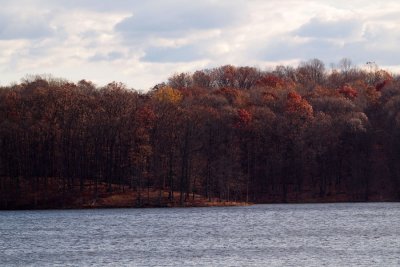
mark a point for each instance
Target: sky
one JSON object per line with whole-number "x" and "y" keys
{"x": 142, "y": 43}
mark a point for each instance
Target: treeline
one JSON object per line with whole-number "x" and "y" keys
{"x": 236, "y": 133}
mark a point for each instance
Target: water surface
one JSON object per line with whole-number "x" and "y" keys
{"x": 356, "y": 234}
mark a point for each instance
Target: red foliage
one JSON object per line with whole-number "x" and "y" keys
{"x": 380, "y": 85}
{"x": 387, "y": 79}
{"x": 268, "y": 96}
{"x": 229, "y": 92}
{"x": 298, "y": 106}
{"x": 348, "y": 91}
{"x": 270, "y": 80}
{"x": 243, "y": 119}
{"x": 294, "y": 96}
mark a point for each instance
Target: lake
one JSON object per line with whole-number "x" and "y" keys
{"x": 346, "y": 234}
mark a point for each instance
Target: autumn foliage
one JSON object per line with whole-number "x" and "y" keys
{"x": 272, "y": 81}
{"x": 347, "y": 91}
{"x": 297, "y": 105}
{"x": 243, "y": 119}
{"x": 229, "y": 133}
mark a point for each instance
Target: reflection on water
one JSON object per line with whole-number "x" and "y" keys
{"x": 365, "y": 234}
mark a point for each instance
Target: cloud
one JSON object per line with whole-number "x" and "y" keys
{"x": 287, "y": 49}
{"x": 15, "y": 26}
{"x": 141, "y": 43}
{"x": 106, "y": 57}
{"x": 185, "y": 53}
{"x": 176, "y": 18}
{"x": 382, "y": 34}
{"x": 319, "y": 28}
{"x": 329, "y": 51}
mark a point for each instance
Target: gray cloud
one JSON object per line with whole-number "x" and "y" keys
{"x": 358, "y": 51}
{"x": 92, "y": 5}
{"x": 13, "y": 26}
{"x": 318, "y": 28}
{"x": 373, "y": 43}
{"x": 286, "y": 50}
{"x": 381, "y": 34}
{"x": 175, "y": 18}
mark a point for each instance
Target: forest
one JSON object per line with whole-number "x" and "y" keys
{"x": 285, "y": 135}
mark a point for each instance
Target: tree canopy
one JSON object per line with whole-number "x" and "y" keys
{"x": 232, "y": 133}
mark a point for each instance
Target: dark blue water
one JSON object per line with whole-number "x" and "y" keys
{"x": 261, "y": 235}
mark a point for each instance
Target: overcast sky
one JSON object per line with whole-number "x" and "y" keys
{"x": 141, "y": 43}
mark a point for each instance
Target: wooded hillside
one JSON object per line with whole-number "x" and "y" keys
{"x": 300, "y": 134}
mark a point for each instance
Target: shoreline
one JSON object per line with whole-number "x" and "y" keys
{"x": 84, "y": 207}
{"x": 122, "y": 197}
{"x": 211, "y": 204}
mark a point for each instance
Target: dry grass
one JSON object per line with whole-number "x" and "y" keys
{"x": 54, "y": 195}
{"x": 153, "y": 198}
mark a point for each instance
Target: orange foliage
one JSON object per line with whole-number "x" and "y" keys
{"x": 320, "y": 91}
{"x": 168, "y": 94}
